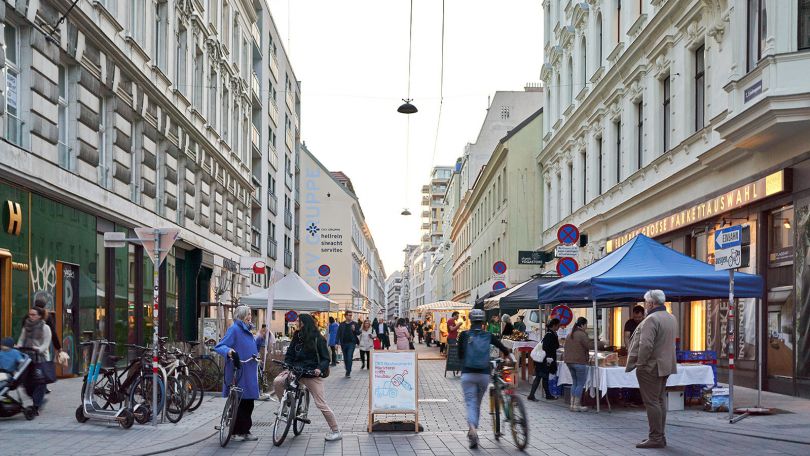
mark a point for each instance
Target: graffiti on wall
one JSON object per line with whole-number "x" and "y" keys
{"x": 43, "y": 280}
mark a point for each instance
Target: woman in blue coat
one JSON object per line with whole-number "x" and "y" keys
{"x": 239, "y": 340}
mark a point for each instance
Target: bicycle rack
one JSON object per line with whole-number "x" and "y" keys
{"x": 90, "y": 408}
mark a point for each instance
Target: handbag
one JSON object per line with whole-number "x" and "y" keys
{"x": 325, "y": 372}
{"x": 43, "y": 373}
{"x": 538, "y": 355}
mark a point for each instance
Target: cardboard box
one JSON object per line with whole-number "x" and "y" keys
{"x": 674, "y": 400}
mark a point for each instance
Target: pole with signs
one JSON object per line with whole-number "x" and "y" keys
{"x": 155, "y": 300}
{"x": 732, "y": 346}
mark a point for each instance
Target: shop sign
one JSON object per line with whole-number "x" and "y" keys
{"x": 230, "y": 265}
{"x": 252, "y": 265}
{"x": 12, "y": 218}
{"x": 752, "y": 91}
{"x": 728, "y": 248}
{"x": 772, "y": 184}
{"x": 530, "y": 257}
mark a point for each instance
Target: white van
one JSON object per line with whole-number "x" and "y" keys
{"x": 531, "y": 318}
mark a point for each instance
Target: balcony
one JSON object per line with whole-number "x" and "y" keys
{"x": 426, "y": 225}
{"x": 288, "y": 219}
{"x": 290, "y": 101}
{"x": 425, "y": 189}
{"x": 256, "y": 197}
{"x": 255, "y": 140}
{"x": 272, "y": 203}
{"x": 287, "y": 259}
{"x": 289, "y": 140}
{"x": 288, "y": 180}
{"x": 257, "y": 38}
{"x": 274, "y": 66}
{"x": 272, "y": 156}
{"x": 255, "y": 90}
{"x": 272, "y": 248}
{"x": 425, "y": 214}
{"x": 436, "y": 203}
{"x": 255, "y": 240}
{"x": 297, "y": 164}
{"x": 272, "y": 111}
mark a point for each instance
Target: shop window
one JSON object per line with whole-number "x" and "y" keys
{"x": 13, "y": 131}
{"x": 780, "y": 242}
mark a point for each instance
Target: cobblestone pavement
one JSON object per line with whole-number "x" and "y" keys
{"x": 553, "y": 429}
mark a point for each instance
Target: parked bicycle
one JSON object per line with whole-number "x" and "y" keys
{"x": 502, "y": 398}
{"x": 206, "y": 368}
{"x": 228, "y": 419}
{"x": 294, "y": 406}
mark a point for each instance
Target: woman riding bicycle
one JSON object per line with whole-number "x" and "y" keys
{"x": 238, "y": 344}
{"x": 308, "y": 351}
{"x": 473, "y": 350}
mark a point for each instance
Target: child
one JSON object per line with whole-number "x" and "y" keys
{"x": 10, "y": 357}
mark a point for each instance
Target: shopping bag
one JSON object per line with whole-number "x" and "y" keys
{"x": 377, "y": 344}
{"x": 43, "y": 373}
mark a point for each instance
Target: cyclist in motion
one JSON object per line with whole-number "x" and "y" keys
{"x": 308, "y": 350}
{"x": 473, "y": 350}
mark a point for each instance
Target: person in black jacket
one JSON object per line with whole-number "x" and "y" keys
{"x": 348, "y": 338}
{"x": 542, "y": 369}
{"x": 381, "y": 331}
{"x": 309, "y": 351}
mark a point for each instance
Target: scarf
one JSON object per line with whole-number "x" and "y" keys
{"x": 34, "y": 333}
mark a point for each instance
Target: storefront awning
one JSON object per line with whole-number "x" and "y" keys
{"x": 642, "y": 265}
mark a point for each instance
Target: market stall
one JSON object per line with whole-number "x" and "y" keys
{"x": 638, "y": 266}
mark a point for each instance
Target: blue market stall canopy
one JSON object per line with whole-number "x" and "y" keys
{"x": 520, "y": 296}
{"x": 641, "y": 265}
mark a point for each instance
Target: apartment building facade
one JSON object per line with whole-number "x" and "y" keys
{"x": 393, "y": 295}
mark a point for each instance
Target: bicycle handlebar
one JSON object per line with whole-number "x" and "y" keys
{"x": 101, "y": 342}
{"x": 294, "y": 368}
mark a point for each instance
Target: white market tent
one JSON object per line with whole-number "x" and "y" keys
{"x": 443, "y": 305}
{"x": 291, "y": 293}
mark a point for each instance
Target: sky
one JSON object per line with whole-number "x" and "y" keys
{"x": 351, "y": 57}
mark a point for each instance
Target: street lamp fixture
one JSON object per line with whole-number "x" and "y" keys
{"x": 405, "y": 211}
{"x": 407, "y": 107}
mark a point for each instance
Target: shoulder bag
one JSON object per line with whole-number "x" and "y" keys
{"x": 538, "y": 355}
{"x": 325, "y": 372}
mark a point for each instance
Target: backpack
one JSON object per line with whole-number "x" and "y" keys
{"x": 476, "y": 352}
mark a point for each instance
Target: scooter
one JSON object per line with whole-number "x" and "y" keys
{"x": 90, "y": 408}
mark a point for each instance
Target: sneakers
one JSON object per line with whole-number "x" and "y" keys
{"x": 333, "y": 435}
{"x": 472, "y": 436}
{"x": 249, "y": 437}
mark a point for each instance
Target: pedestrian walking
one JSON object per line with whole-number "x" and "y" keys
{"x": 420, "y": 330}
{"x": 366, "y": 344}
{"x": 36, "y": 338}
{"x": 576, "y": 359}
{"x": 403, "y": 335}
{"x": 238, "y": 344}
{"x": 652, "y": 355}
{"x": 428, "y": 331}
{"x": 347, "y": 338}
{"x": 544, "y": 368}
{"x": 382, "y": 331}
{"x": 473, "y": 350}
{"x": 308, "y": 351}
{"x": 443, "y": 335}
{"x": 332, "y": 331}
{"x": 453, "y": 325}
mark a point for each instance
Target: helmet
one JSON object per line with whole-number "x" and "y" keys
{"x": 477, "y": 315}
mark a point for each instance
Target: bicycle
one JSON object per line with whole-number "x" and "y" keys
{"x": 206, "y": 367}
{"x": 296, "y": 400}
{"x": 228, "y": 419}
{"x": 502, "y": 397}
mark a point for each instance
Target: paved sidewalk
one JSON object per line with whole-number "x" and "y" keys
{"x": 553, "y": 429}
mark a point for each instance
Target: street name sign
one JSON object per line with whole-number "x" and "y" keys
{"x": 728, "y": 248}
{"x": 562, "y": 251}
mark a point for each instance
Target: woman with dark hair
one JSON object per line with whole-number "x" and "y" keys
{"x": 576, "y": 358}
{"x": 403, "y": 334}
{"x": 308, "y": 351}
{"x": 545, "y": 367}
{"x": 36, "y": 336}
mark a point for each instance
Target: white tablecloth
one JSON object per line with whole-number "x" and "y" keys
{"x": 616, "y": 377}
{"x": 515, "y": 345}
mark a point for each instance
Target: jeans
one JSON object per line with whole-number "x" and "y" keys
{"x": 333, "y": 348}
{"x": 243, "y": 417}
{"x": 348, "y": 354}
{"x": 541, "y": 373}
{"x": 365, "y": 358}
{"x": 579, "y": 374}
{"x": 474, "y": 387}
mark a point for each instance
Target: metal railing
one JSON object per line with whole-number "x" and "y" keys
{"x": 272, "y": 248}
{"x": 287, "y": 258}
{"x": 272, "y": 203}
{"x": 288, "y": 219}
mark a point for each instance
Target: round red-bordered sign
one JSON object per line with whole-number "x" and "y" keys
{"x": 562, "y": 313}
{"x": 291, "y": 315}
{"x": 499, "y": 267}
{"x": 499, "y": 285}
{"x": 566, "y": 266}
{"x": 324, "y": 288}
{"x": 568, "y": 234}
{"x": 324, "y": 270}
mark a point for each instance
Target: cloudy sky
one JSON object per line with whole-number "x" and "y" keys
{"x": 351, "y": 57}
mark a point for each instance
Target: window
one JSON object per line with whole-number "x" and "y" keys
{"x": 583, "y": 159}
{"x": 618, "y": 21}
{"x": 198, "y": 82}
{"x": 225, "y": 111}
{"x": 504, "y": 111}
{"x": 700, "y": 89}
{"x": 804, "y": 24}
{"x": 213, "y": 19}
{"x": 65, "y": 155}
{"x": 235, "y": 129}
{"x": 182, "y": 51}
{"x": 137, "y": 14}
{"x": 212, "y": 99}
{"x": 617, "y": 128}
{"x": 161, "y": 34}
{"x": 271, "y": 136}
{"x": 780, "y": 242}
{"x": 13, "y": 131}
{"x": 640, "y": 134}
{"x": 236, "y": 40}
{"x": 104, "y": 146}
{"x": 600, "y": 45}
{"x": 570, "y": 188}
{"x": 583, "y": 63}
{"x": 599, "y": 163}
{"x": 226, "y": 22}
{"x": 665, "y": 114}
{"x": 757, "y": 31}
{"x": 570, "y": 89}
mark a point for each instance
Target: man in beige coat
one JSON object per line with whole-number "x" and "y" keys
{"x": 652, "y": 355}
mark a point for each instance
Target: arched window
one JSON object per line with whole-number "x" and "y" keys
{"x": 570, "y": 89}
{"x": 600, "y": 44}
{"x": 558, "y": 107}
{"x": 583, "y": 62}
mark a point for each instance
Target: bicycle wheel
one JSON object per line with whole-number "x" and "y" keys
{"x": 284, "y": 418}
{"x": 301, "y": 414}
{"x": 175, "y": 399}
{"x": 228, "y": 420}
{"x": 518, "y": 422}
{"x": 140, "y": 398}
{"x": 209, "y": 372}
{"x": 495, "y": 411}
{"x": 197, "y": 390}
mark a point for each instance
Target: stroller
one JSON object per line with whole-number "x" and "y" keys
{"x": 10, "y": 381}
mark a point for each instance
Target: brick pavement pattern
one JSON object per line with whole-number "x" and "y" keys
{"x": 553, "y": 429}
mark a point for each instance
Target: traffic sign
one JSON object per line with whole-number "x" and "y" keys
{"x": 568, "y": 234}
{"x": 324, "y": 288}
{"x": 566, "y": 266}
{"x": 499, "y": 267}
{"x": 562, "y": 313}
{"x": 167, "y": 238}
{"x": 291, "y": 315}
{"x": 498, "y": 285}
{"x": 324, "y": 270}
{"x": 562, "y": 251}
{"x": 728, "y": 249}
